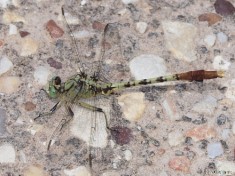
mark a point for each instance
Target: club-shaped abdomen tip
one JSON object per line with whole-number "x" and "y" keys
{"x": 220, "y": 73}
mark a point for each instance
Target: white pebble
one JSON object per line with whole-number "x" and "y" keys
{"x": 128, "y": 155}
{"x": 222, "y": 37}
{"x": 220, "y": 63}
{"x": 141, "y": 27}
{"x": 214, "y": 150}
{"x": 41, "y": 75}
{"x": 5, "y": 65}
{"x": 147, "y": 66}
{"x": 12, "y": 29}
{"x": 83, "y": 2}
{"x": 7, "y": 153}
{"x": 12, "y": 85}
{"x": 132, "y": 105}
{"x": 29, "y": 46}
{"x": 175, "y": 138}
{"x": 81, "y": 171}
{"x": 129, "y": 1}
{"x": 227, "y": 166}
{"x": 210, "y": 40}
{"x": 4, "y": 3}
{"x": 180, "y": 39}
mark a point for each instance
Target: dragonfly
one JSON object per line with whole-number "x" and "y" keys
{"x": 83, "y": 86}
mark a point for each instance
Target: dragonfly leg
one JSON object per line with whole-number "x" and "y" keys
{"x": 94, "y": 108}
{"x": 52, "y": 110}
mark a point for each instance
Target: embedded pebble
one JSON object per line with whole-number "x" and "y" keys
{"x": 220, "y": 63}
{"x": 224, "y": 7}
{"x": 10, "y": 17}
{"x": 83, "y": 2}
{"x": 98, "y": 25}
{"x": 23, "y": 33}
{"x": 132, "y": 105}
{"x": 7, "y": 153}
{"x": 4, "y": 3}
{"x": 210, "y": 40}
{"x": 128, "y": 155}
{"x": 201, "y": 132}
{"x": 222, "y": 37}
{"x": 12, "y": 29}
{"x": 54, "y": 30}
{"x": 29, "y": 46}
{"x": 5, "y": 65}
{"x": 175, "y": 138}
{"x": 84, "y": 120}
{"x": 147, "y": 66}
{"x": 206, "y": 106}
{"x": 3, "y": 118}
{"x": 29, "y": 106}
{"x": 214, "y": 150}
{"x": 211, "y": 18}
{"x": 121, "y": 135}
{"x": 41, "y": 75}
{"x": 53, "y": 63}
{"x": 227, "y": 166}
{"x": 180, "y": 163}
{"x": 12, "y": 85}
{"x": 129, "y": 1}
{"x": 34, "y": 170}
{"x": 81, "y": 171}
{"x": 171, "y": 109}
{"x": 180, "y": 39}
{"x": 141, "y": 27}
{"x": 221, "y": 119}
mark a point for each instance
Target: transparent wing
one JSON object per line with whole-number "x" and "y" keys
{"x": 113, "y": 67}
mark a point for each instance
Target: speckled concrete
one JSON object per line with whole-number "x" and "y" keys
{"x": 180, "y": 122}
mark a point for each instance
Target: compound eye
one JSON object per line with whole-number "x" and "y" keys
{"x": 57, "y": 80}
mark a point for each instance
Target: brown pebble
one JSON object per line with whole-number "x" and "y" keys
{"x": 224, "y": 8}
{"x": 54, "y": 30}
{"x": 180, "y": 163}
{"x": 24, "y": 33}
{"x": 98, "y": 26}
{"x": 121, "y": 135}
{"x": 201, "y": 132}
{"x": 29, "y": 106}
{"x": 211, "y": 18}
{"x": 53, "y": 63}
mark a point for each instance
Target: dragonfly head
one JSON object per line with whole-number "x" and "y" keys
{"x": 54, "y": 87}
